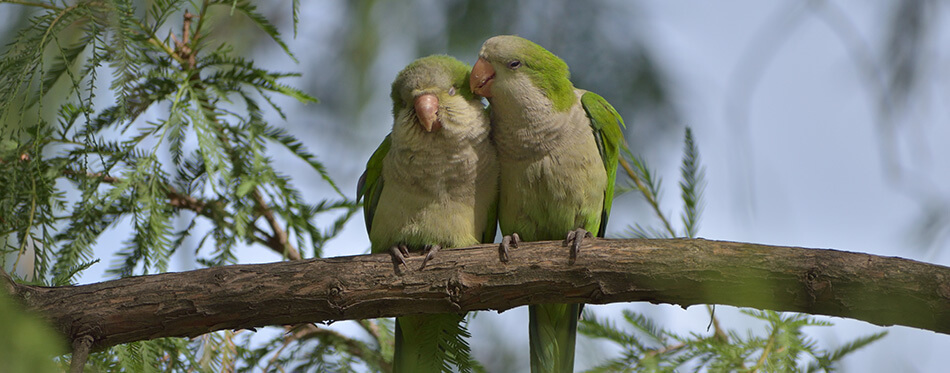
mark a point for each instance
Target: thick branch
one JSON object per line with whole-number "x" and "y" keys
{"x": 880, "y": 290}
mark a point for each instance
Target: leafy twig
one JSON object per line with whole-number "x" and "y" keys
{"x": 644, "y": 190}
{"x": 279, "y": 242}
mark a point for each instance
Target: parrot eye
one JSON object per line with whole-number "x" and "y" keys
{"x": 452, "y": 91}
{"x": 514, "y": 64}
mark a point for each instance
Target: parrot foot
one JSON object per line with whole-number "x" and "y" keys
{"x": 507, "y": 242}
{"x": 574, "y": 239}
{"x": 399, "y": 254}
{"x": 430, "y": 253}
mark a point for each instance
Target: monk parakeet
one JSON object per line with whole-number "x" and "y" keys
{"x": 557, "y": 149}
{"x": 431, "y": 184}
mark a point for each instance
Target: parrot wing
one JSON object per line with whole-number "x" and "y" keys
{"x": 371, "y": 183}
{"x": 606, "y": 124}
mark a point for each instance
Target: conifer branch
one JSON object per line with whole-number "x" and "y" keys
{"x": 31, "y": 3}
{"x": 643, "y": 189}
{"x": 329, "y": 336}
{"x": 278, "y": 242}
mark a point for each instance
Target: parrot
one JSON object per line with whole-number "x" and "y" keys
{"x": 558, "y": 149}
{"x": 431, "y": 184}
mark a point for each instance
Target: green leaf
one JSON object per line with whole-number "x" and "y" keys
{"x": 250, "y": 10}
{"x": 35, "y": 344}
{"x": 692, "y": 185}
{"x": 297, "y": 147}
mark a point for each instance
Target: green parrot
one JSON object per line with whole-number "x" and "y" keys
{"x": 431, "y": 184}
{"x": 558, "y": 149}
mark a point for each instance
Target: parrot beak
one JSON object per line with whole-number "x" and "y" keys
{"x": 482, "y": 77}
{"x": 427, "y": 109}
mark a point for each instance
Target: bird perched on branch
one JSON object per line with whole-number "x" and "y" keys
{"x": 431, "y": 184}
{"x": 558, "y": 149}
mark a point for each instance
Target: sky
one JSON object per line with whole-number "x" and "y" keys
{"x": 785, "y": 119}
{"x": 813, "y": 174}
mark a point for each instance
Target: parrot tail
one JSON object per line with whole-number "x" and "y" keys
{"x": 432, "y": 343}
{"x": 552, "y": 329}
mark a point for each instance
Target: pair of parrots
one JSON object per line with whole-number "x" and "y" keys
{"x": 541, "y": 161}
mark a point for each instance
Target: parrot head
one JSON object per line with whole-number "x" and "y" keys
{"x": 507, "y": 65}
{"x": 426, "y": 90}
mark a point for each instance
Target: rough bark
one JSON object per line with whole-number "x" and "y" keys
{"x": 879, "y": 290}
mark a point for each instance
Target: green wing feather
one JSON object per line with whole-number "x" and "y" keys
{"x": 371, "y": 183}
{"x": 606, "y": 123}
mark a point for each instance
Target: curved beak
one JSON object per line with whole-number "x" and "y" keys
{"x": 427, "y": 109}
{"x": 482, "y": 77}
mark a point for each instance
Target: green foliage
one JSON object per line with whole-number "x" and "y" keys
{"x": 185, "y": 139}
{"x": 28, "y": 344}
{"x": 119, "y": 113}
{"x": 783, "y": 347}
{"x": 646, "y": 347}
{"x": 157, "y": 355}
{"x": 312, "y": 348}
{"x": 692, "y": 185}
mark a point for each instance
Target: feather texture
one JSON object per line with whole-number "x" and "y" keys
{"x": 435, "y": 187}
{"x": 558, "y": 156}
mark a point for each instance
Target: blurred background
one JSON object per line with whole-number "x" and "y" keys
{"x": 821, "y": 124}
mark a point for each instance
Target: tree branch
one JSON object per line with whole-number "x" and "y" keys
{"x": 81, "y": 347}
{"x": 879, "y": 290}
{"x": 352, "y": 346}
{"x": 279, "y": 242}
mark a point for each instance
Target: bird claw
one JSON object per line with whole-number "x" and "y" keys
{"x": 430, "y": 253}
{"x": 399, "y": 254}
{"x": 574, "y": 239}
{"x": 507, "y": 242}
